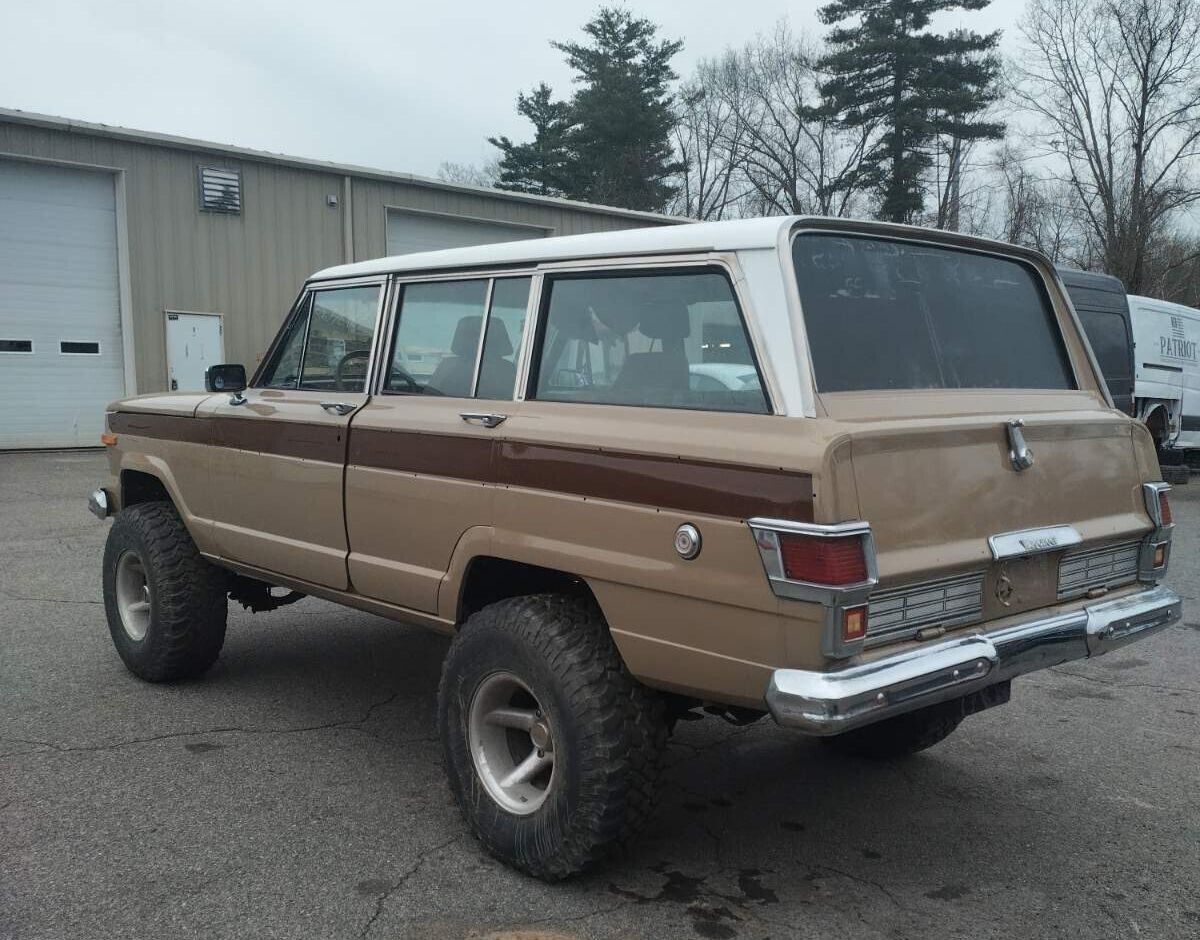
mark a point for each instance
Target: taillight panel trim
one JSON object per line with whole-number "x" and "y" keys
{"x": 1160, "y": 537}
{"x": 835, "y": 599}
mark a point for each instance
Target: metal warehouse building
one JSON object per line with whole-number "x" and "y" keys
{"x": 130, "y": 261}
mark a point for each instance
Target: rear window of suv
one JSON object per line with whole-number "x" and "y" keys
{"x": 889, "y": 314}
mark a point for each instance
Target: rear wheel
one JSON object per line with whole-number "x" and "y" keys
{"x": 166, "y": 606}
{"x": 552, "y": 749}
{"x": 900, "y": 736}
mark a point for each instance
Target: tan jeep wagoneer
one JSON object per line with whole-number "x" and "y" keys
{"x": 857, "y": 476}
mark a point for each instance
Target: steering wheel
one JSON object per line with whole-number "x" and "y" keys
{"x": 399, "y": 375}
{"x": 339, "y": 378}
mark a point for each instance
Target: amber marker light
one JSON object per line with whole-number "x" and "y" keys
{"x": 108, "y": 439}
{"x": 1160, "y": 555}
{"x": 854, "y": 623}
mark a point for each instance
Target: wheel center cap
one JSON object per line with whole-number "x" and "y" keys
{"x": 540, "y": 733}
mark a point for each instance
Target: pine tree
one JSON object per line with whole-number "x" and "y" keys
{"x": 541, "y": 166}
{"x": 610, "y": 143}
{"x": 887, "y": 68}
{"x": 623, "y": 114}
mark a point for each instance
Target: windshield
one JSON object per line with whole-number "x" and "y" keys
{"x": 889, "y": 314}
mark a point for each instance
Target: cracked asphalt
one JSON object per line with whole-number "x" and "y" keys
{"x": 296, "y": 790}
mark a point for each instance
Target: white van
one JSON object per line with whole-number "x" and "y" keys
{"x": 1167, "y": 374}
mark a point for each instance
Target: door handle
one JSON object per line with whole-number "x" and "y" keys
{"x": 338, "y": 407}
{"x": 488, "y": 420}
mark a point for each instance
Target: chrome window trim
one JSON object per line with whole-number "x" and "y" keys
{"x": 528, "y": 334}
{"x": 303, "y": 299}
{"x": 666, "y": 263}
{"x": 395, "y": 303}
{"x": 483, "y": 328}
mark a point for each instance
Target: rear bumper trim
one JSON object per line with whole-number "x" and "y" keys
{"x": 824, "y": 703}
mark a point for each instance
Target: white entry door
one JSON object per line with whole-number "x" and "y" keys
{"x": 194, "y": 343}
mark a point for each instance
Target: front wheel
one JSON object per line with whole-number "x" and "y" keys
{"x": 552, "y": 749}
{"x": 166, "y": 606}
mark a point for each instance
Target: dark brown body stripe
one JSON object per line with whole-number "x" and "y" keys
{"x": 443, "y": 455}
{"x": 677, "y": 483}
{"x": 161, "y": 427}
{"x": 667, "y": 482}
{"x": 324, "y": 442}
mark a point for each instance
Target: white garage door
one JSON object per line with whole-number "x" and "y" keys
{"x": 60, "y": 325}
{"x": 416, "y": 231}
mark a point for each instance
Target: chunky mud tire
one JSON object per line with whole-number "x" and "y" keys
{"x": 178, "y": 627}
{"x": 608, "y": 732}
{"x": 900, "y": 736}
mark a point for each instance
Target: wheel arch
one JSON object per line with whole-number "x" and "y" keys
{"x": 487, "y": 579}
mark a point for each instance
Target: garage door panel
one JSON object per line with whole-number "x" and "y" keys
{"x": 58, "y": 283}
{"x": 417, "y": 231}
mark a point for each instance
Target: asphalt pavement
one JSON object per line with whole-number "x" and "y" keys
{"x": 296, "y": 790}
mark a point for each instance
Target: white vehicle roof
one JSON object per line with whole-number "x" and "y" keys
{"x": 1163, "y": 306}
{"x": 732, "y": 235}
{"x": 699, "y": 236}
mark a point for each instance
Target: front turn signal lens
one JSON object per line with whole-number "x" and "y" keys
{"x": 108, "y": 439}
{"x": 854, "y": 623}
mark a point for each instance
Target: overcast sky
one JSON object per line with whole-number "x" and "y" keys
{"x": 391, "y": 84}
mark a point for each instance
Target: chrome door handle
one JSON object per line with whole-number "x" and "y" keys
{"x": 487, "y": 419}
{"x": 338, "y": 407}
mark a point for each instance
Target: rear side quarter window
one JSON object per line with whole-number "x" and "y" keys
{"x": 667, "y": 339}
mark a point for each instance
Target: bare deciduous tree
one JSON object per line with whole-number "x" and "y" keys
{"x": 1114, "y": 88}
{"x": 755, "y": 141}
{"x": 469, "y": 174}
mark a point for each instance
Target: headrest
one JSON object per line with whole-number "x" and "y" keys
{"x": 498, "y": 345}
{"x": 666, "y": 321}
{"x": 466, "y": 337}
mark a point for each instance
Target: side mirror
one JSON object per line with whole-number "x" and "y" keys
{"x": 225, "y": 378}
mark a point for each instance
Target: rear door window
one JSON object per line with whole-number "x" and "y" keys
{"x": 667, "y": 339}
{"x": 888, "y": 314}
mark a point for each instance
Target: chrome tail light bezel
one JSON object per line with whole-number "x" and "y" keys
{"x": 835, "y": 599}
{"x": 1160, "y": 537}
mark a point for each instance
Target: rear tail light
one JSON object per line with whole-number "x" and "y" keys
{"x": 828, "y": 564}
{"x": 1164, "y": 508}
{"x": 820, "y": 560}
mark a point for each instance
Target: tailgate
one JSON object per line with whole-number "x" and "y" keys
{"x": 936, "y": 493}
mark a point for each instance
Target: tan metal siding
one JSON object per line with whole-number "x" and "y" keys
{"x": 249, "y": 267}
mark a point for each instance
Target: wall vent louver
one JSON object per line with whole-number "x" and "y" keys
{"x": 220, "y": 190}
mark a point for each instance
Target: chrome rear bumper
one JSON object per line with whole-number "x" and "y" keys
{"x": 824, "y": 703}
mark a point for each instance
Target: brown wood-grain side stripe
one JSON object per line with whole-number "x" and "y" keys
{"x": 677, "y": 483}
{"x": 325, "y": 442}
{"x": 442, "y": 455}
{"x": 664, "y": 482}
{"x": 161, "y": 427}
